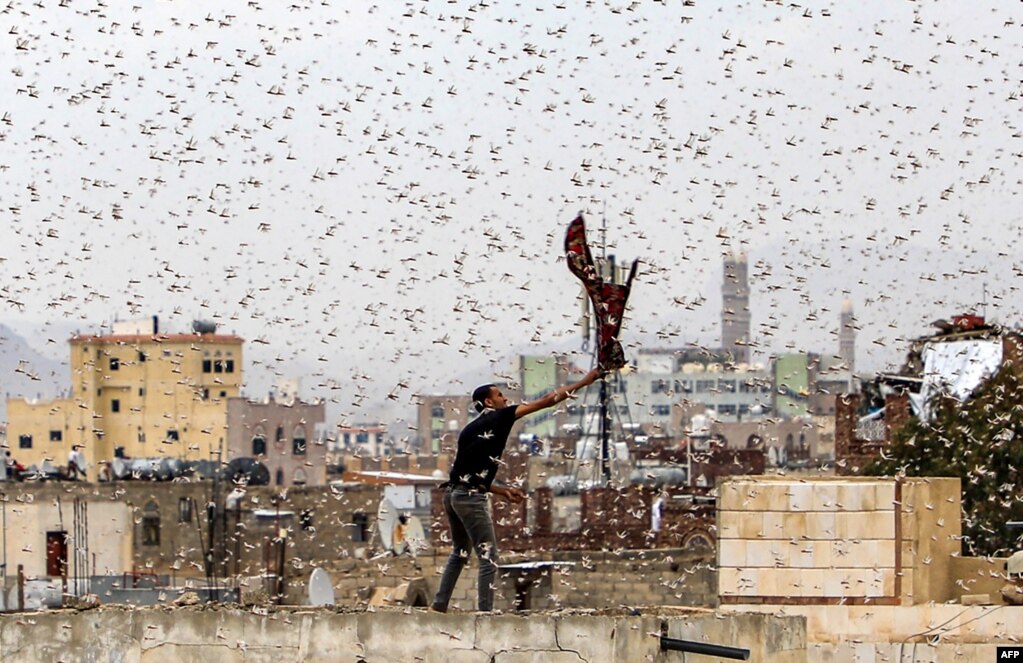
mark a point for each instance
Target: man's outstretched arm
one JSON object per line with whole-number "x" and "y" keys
{"x": 558, "y": 395}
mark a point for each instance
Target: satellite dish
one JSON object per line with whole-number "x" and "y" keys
{"x": 249, "y": 471}
{"x": 415, "y": 536}
{"x": 321, "y": 590}
{"x": 387, "y": 518}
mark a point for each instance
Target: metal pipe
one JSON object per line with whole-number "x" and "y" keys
{"x": 691, "y": 647}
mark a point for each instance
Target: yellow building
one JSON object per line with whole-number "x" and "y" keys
{"x": 151, "y": 394}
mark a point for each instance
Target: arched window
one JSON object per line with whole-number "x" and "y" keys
{"x": 298, "y": 441}
{"x": 790, "y": 442}
{"x": 151, "y": 524}
{"x": 279, "y": 477}
{"x": 279, "y": 436}
{"x": 298, "y": 478}
{"x": 754, "y": 442}
{"x": 258, "y": 445}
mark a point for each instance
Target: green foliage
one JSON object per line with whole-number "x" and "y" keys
{"x": 980, "y": 441}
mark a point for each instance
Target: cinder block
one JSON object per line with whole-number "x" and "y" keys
{"x": 820, "y": 525}
{"x": 825, "y": 496}
{"x": 822, "y": 558}
{"x": 800, "y": 497}
{"x": 801, "y": 554}
{"x": 851, "y": 496}
{"x": 728, "y": 524}
{"x": 794, "y": 524}
{"x": 732, "y": 552}
{"x": 812, "y": 581}
{"x": 766, "y": 554}
{"x": 885, "y": 553}
{"x": 732, "y": 496}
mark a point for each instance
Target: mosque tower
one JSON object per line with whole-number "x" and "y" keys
{"x": 847, "y": 336}
{"x": 735, "y": 316}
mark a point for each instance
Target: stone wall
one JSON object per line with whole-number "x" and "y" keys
{"x": 227, "y": 635}
{"x": 571, "y": 579}
{"x": 327, "y": 532}
{"x": 931, "y": 633}
{"x": 850, "y": 539}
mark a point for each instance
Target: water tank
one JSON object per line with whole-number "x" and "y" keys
{"x": 204, "y": 327}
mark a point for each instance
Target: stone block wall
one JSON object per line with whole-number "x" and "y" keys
{"x": 822, "y": 539}
{"x": 849, "y": 540}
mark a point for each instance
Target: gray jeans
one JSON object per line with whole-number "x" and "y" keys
{"x": 471, "y": 528}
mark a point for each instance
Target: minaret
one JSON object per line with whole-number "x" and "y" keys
{"x": 847, "y": 336}
{"x": 735, "y": 317}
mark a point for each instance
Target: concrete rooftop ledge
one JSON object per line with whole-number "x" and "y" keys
{"x": 234, "y": 634}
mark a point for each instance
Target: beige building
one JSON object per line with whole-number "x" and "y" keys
{"x": 440, "y": 418}
{"x": 73, "y": 536}
{"x": 282, "y": 436}
{"x": 146, "y": 393}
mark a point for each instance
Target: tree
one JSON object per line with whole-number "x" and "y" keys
{"x": 979, "y": 440}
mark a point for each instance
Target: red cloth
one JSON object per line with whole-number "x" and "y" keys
{"x": 608, "y": 299}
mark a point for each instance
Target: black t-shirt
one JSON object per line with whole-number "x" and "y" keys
{"x": 480, "y": 445}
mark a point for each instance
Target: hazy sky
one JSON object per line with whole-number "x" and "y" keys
{"x": 375, "y": 196}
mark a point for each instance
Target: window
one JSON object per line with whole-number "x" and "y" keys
{"x": 218, "y": 366}
{"x": 184, "y": 510}
{"x": 115, "y": 364}
{"x": 223, "y": 394}
{"x": 727, "y": 385}
{"x": 258, "y": 445}
{"x": 659, "y": 387}
{"x": 142, "y": 357}
{"x": 151, "y": 524}
{"x": 56, "y": 436}
{"x": 24, "y": 441}
{"x": 279, "y": 436}
{"x": 727, "y": 409}
{"x": 305, "y": 519}
{"x": 172, "y": 435}
{"x": 207, "y": 366}
{"x": 437, "y": 411}
{"x": 705, "y": 385}
{"x": 661, "y": 410}
{"x": 115, "y": 405}
{"x": 142, "y": 391}
{"x": 298, "y": 478}
{"x": 298, "y": 442}
{"x": 206, "y": 394}
{"x": 142, "y": 436}
{"x": 360, "y": 527}
{"x": 279, "y": 477}
{"x": 229, "y": 366}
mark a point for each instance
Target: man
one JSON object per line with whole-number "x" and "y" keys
{"x": 75, "y": 463}
{"x": 466, "y": 499}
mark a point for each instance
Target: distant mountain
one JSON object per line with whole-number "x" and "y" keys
{"x": 25, "y": 372}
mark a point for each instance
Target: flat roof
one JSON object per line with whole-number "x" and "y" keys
{"x": 127, "y": 339}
